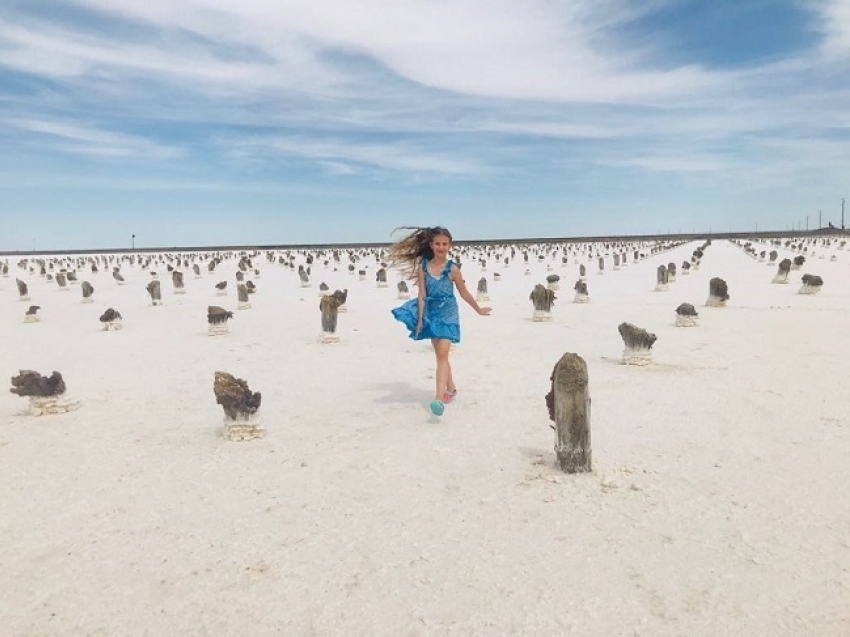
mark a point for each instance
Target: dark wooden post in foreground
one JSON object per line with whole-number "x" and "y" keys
{"x": 569, "y": 407}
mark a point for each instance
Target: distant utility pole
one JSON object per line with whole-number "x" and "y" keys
{"x": 820, "y": 223}
{"x": 807, "y": 223}
{"x": 842, "y": 213}
{"x": 133, "y": 244}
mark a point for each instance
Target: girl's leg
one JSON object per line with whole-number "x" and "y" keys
{"x": 444, "y": 370}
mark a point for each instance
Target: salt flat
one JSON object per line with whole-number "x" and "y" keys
{"x": 718, "y": 504}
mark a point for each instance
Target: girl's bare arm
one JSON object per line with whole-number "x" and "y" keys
{"x": 457, "y": 278}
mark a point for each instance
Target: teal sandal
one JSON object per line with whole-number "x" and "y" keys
{"x": 437, "y": 407}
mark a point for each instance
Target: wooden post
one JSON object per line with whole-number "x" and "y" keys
{"x": 569, "y": 407}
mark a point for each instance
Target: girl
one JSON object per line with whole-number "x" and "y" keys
{"x": 434, "y": 313}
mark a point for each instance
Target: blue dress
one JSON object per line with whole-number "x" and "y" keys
{"x": 441, "y": 318}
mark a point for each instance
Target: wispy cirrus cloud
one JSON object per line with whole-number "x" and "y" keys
{"x": 79, "y": 138}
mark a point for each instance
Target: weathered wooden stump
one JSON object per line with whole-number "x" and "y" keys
{"x": 581, "y": 292}
{"x": 177, "y": 282}
{"x": 543, "y": 300}
{"x": 241, "y": 420}
{"x": 638, "y": 342}
{"x": 403, "y": 291}
{"x": 23, "y": 290}
{"x": 111, "y": 320}
{"x": 197, "y": 270}
{"x": 811, "y": 284}
{"x": 154, "y": 288}
{"x": 221, "y": 288}
{"x": 781, "y": 276}
{"x": 304, "y": 277}
{"x": 601, "y": 265}
{"x": 661, "y": 278}
{"x": 482, "y": 295}
{"x": 329, "y": 307}
{"x": 686, "y": 268}
{"x": 686, "y": 316}
{"x": 62, "y": 281}
{"x": 568, "y": 402}
{"x": 31, "y": 315}
{"x": 217, "y": 318}
{"x": 381, "y": 278}
{"x": 244, "y": 301}
{"x": 582, "y": 272}
{"x": 87, "y": 291}
{"x": 118, "y": 276}
{"x": 616, "y": 262}
{"x": 718, "y": 293}
{"x": 671, "y": 272}
{"x": 553, "y": 282}
{"x": 798, "y": 262}
{"x": 47, "y": 394}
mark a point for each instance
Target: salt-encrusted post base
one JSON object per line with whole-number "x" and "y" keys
{"x": 243, "y": 306}
{"x": 686, "y": 272}
{"x": 306, "y": 284}
{"x": 156, "y": 302}
{"x": 810, "y": 289}
{"x": 671, "y": 278}
{"x": 780, "y": 278}
{"x": 25, "y": 297}
{"x": 527, "y": 272}
{"x": 361, "y": 277}
{"x": 239, "y": 430}
{"x": 715, "y": 301}
{"x": 541, "y": 316}
{"x": 342, "y": 308}
{"x": 640, "y": 357}
{"x": 695, "y": 266}
{"x": 404, "y": 295}
{"x": 554, "y": 286}
{"x": 64, "y": 289}
{"x": 482, "y": 297}
{"x": 113, "y": 326}
{"x": 33, "y": 318}
{"x": 218, "y": 330}
{"x": 88, "y": 299}
{"x": 687, "y": 321}
{"x": 661, "y": 287}
{"x": 179, "y": 290}
{"x": 383, "y": 284}
{"x": 221, "y": 293}
{"x": 47, "y": 405}
{"x": 328, "y": 338}
{"x": 581, "y": 298}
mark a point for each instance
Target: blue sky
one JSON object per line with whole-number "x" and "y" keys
{"x": 192, "y": 122}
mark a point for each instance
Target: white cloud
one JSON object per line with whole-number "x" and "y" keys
{"x": 79, "y": 138}
{"x": 343, "y": 156}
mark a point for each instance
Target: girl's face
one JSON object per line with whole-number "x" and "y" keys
{"x": 441, "y": 244}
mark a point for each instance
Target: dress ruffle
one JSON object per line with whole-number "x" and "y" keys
{"x": 432, "y": 326}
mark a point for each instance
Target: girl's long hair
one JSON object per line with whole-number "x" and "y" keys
{"x": 408, "y": 252}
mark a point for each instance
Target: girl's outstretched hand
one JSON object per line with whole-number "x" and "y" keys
{"x": 418, "y": 327}
{"x": 484, "y": 311}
